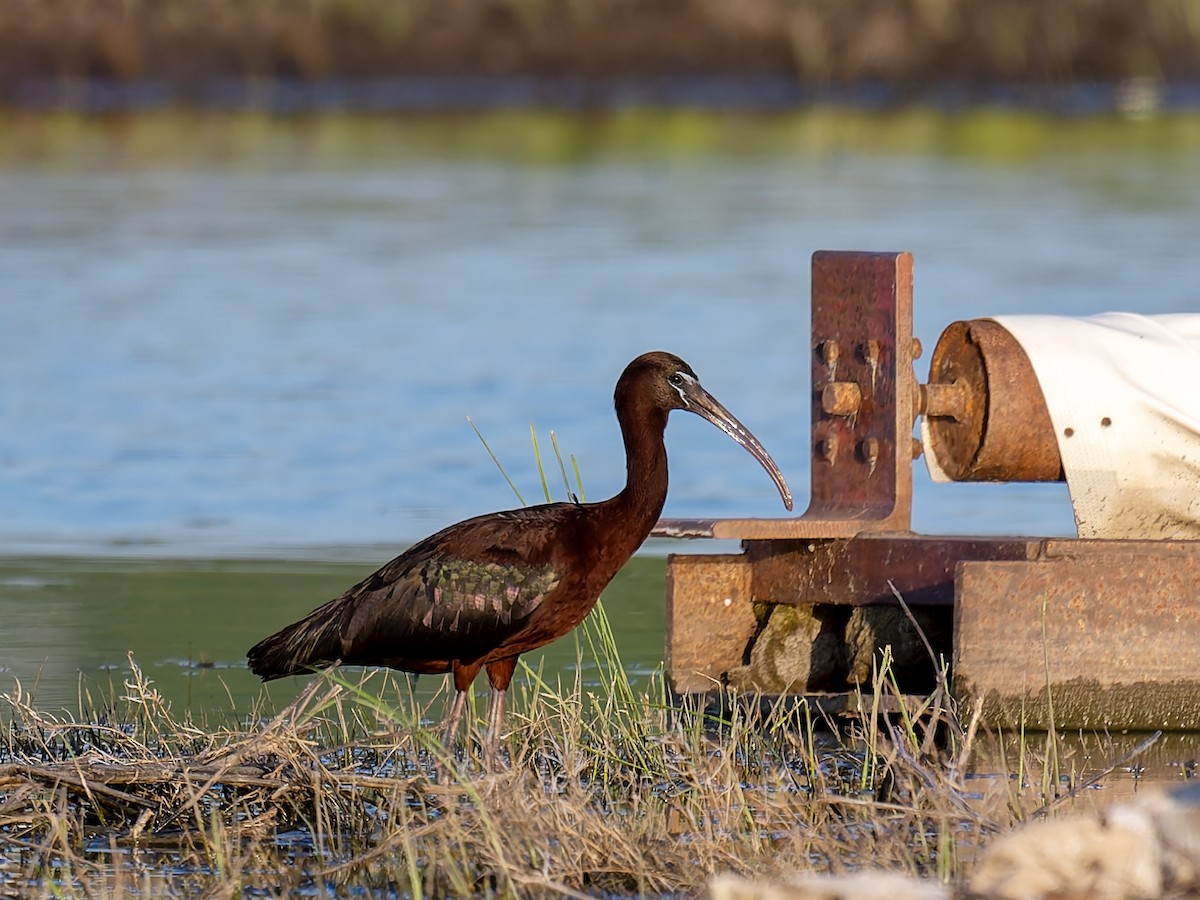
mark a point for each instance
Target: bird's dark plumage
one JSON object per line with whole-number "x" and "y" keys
{"x": 478, "y": 594}
{"x": 452, "y": 596}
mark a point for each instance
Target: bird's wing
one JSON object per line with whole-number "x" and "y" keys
{"x": 457, "y": 594}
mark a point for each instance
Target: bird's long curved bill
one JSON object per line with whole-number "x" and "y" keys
{"x": 704, "y": 404}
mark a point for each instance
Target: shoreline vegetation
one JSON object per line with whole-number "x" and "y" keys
{"x": 609, "y": 791}
{"x": 410, "y": 54}
{"x": 257, "y": 139}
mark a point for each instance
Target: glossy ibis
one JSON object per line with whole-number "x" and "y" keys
{"x": 480, "y": 593}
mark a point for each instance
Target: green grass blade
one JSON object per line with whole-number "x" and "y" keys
{"x": 537, "y": 455}
{"x": 562, "y": 468}
{"x": 496, "y": 460}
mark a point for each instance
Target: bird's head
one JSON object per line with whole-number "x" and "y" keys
{"x": 665, "y": 382}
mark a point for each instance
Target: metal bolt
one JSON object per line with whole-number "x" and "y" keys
{"x": 870, "y": 352}
{"x": 870, "y": 451}
{"x": 917, "y": 349}
{"x": 841, "y": 398}
{"x": 944, "y": 400}
{"x": 827, "y": 448}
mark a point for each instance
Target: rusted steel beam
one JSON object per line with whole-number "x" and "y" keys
{"x": 710, "y": 620}
{"x": 863, "y": 402}
{"x": 861, "y": 571}
{"x": 1088, "y": 636}
{"x": 1086, "y": 548}
{"x": 986, "y": 417}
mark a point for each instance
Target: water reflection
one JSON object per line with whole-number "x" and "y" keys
{"x": 71, "y": 627}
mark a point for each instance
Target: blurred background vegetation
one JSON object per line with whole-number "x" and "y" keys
{"x": 183, "y": 45}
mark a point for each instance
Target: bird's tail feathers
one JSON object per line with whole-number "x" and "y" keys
{"x": 315, "y": 642}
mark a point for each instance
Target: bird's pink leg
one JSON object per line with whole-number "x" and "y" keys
{"x": 499, "y": 675}
{"x": 463, "y": 676}
{"x": 495, "y": 719}
{"x": 453, "y": 717}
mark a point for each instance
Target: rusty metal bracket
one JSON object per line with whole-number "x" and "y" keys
{"x": 864, "y": 395}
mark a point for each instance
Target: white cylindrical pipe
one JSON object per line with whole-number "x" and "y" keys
{"x": 1123, "y": 392}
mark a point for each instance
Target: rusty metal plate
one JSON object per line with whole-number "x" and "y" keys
{"x": 863, "y": 407}
{"x": 862, "y": 570}
{"x": 861, "y": 336}
{"x": 1100, "y": 639}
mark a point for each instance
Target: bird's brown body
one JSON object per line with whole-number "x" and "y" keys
{"x": 480, "y": 593}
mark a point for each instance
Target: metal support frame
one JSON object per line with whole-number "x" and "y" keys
{"x": 1116, "y": 619}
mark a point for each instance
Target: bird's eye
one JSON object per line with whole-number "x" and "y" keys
{"x": 676, "y": 380}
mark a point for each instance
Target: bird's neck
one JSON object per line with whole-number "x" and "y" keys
{"x": 641, "y": 501}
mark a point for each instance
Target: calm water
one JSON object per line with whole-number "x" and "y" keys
{"x": 69, "y": 625}
{"x": 242, "y": 337}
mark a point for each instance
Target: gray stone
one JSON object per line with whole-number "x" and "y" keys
{"x": 800, "y": 649}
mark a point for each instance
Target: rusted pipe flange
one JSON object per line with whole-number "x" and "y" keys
{"x": 985, "y": 414}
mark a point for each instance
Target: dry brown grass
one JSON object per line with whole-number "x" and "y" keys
{"x": 609, "y": 791}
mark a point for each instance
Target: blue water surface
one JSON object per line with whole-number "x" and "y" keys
{"x": 279, "y": 351}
